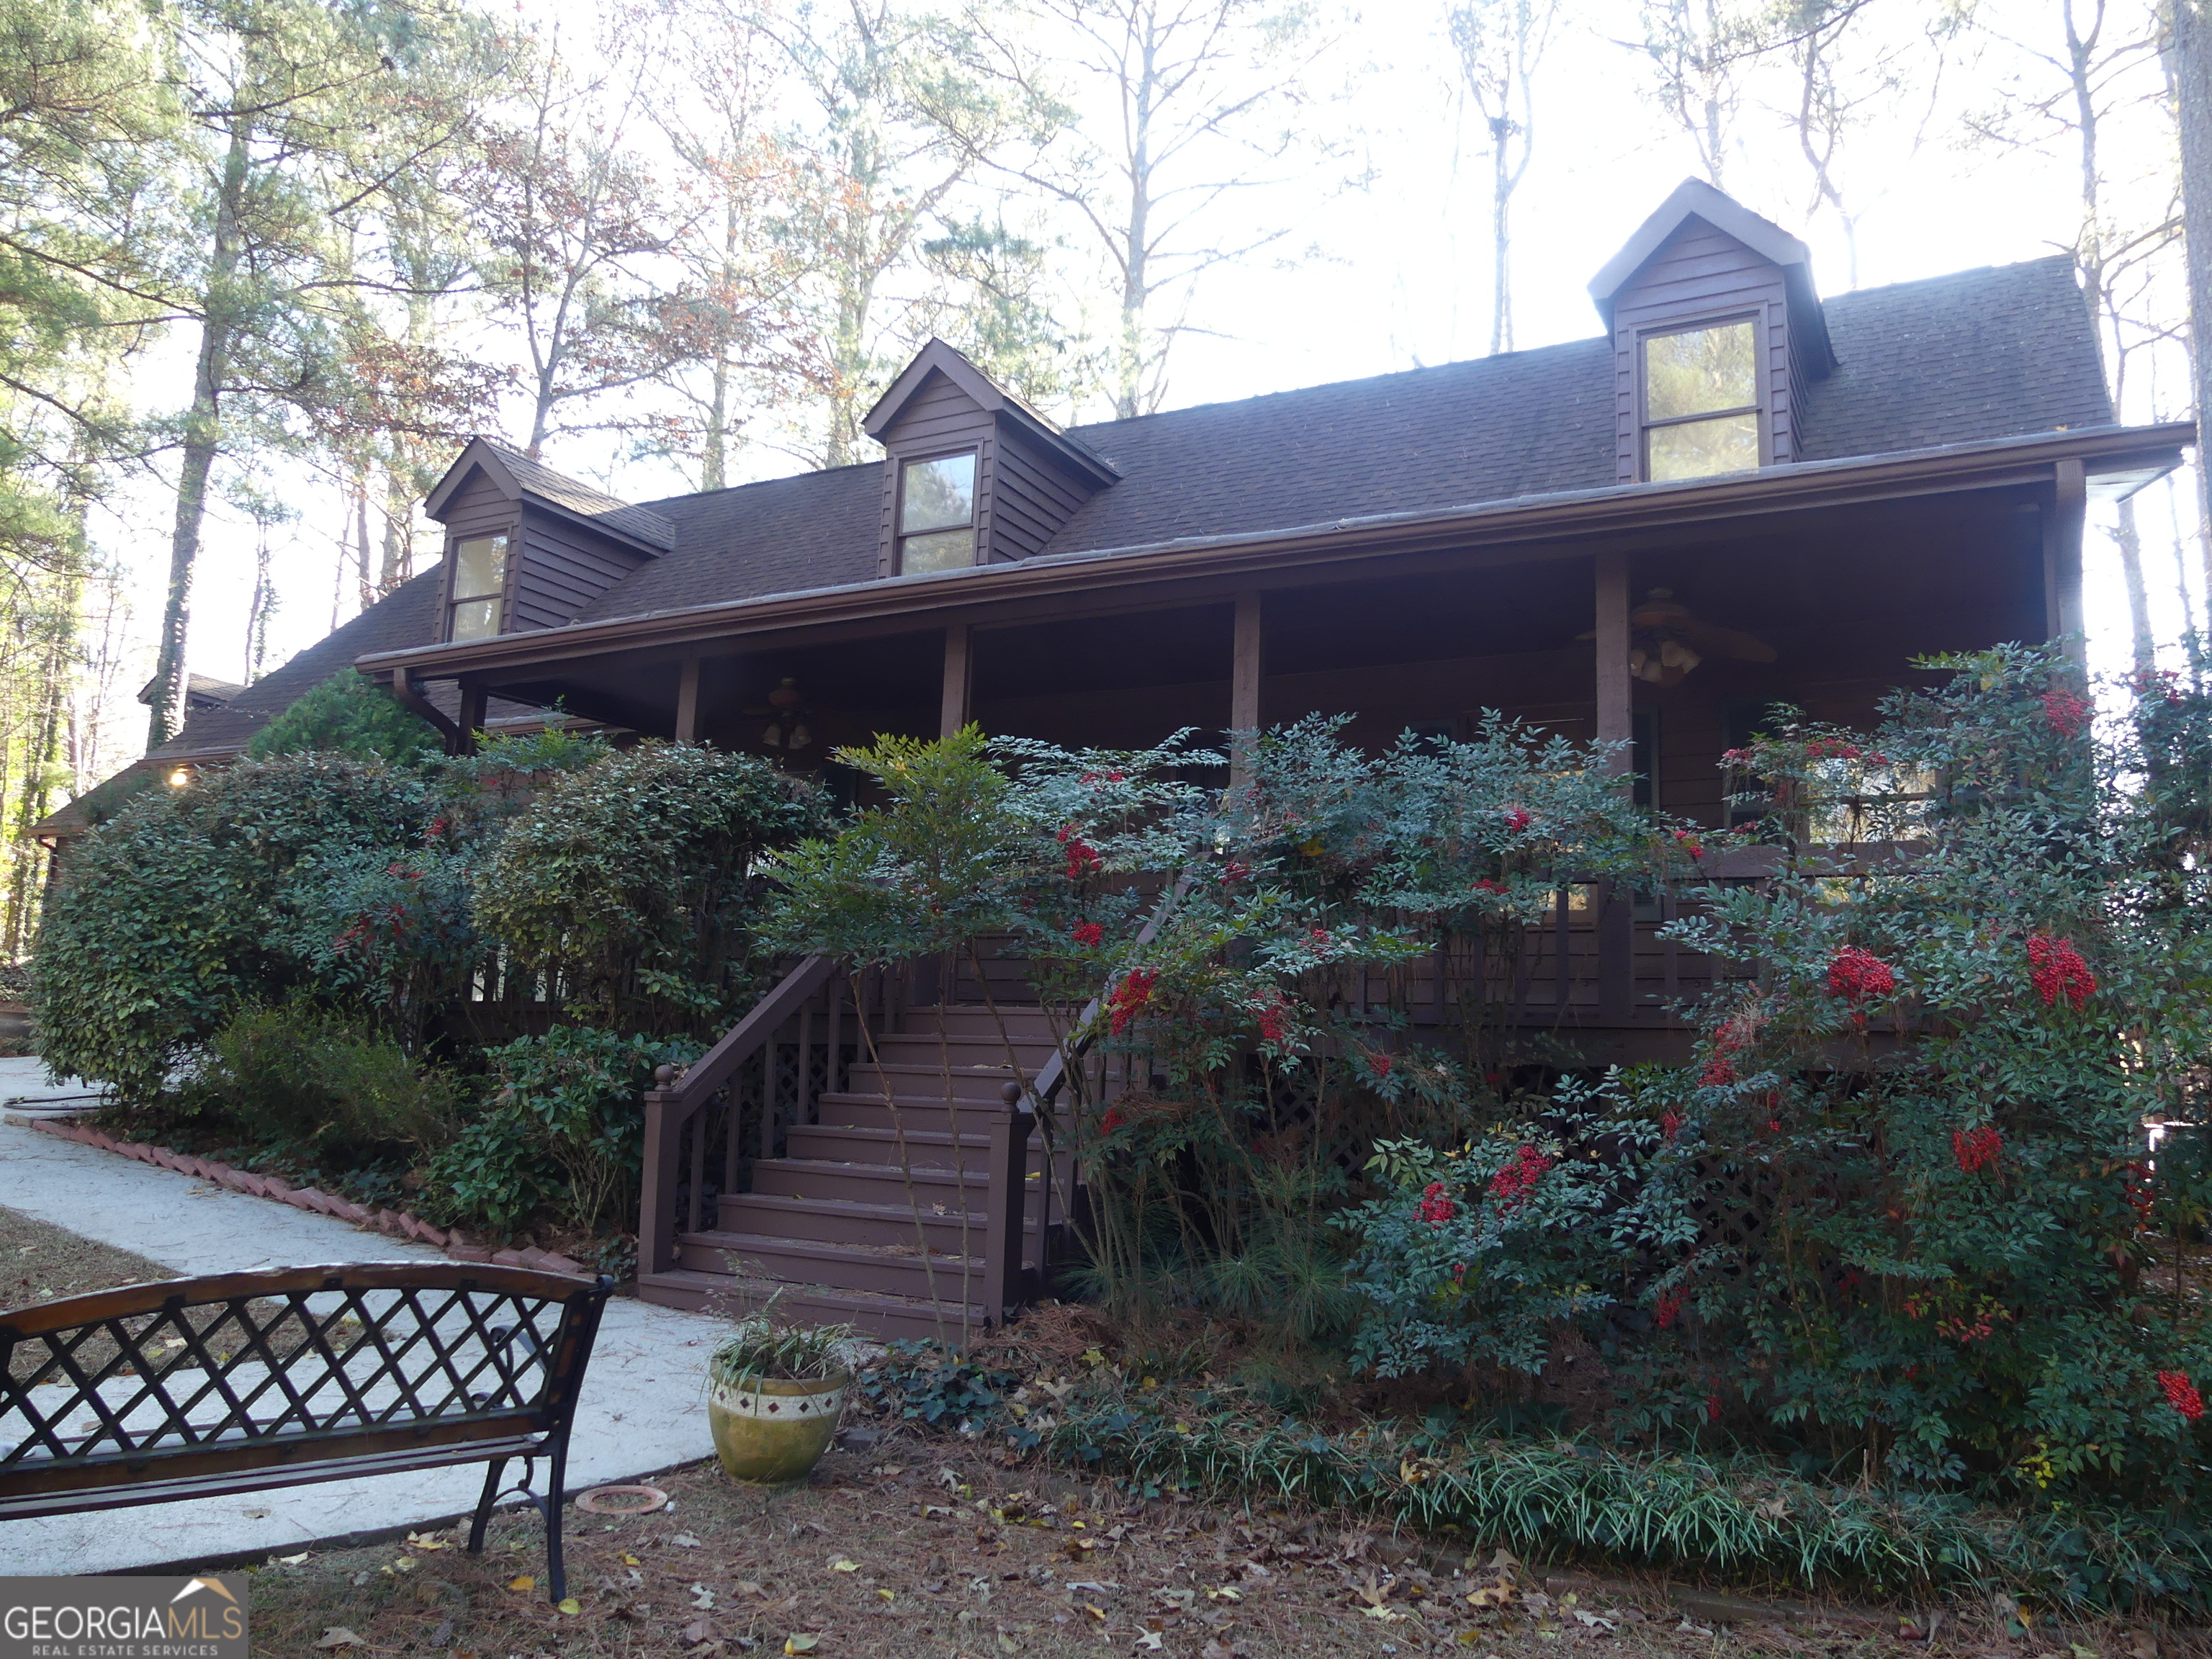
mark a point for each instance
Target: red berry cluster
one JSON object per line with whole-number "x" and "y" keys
{"x": 1976, "y": 1149}
{"x": 1511, "y": 1185}
{"x": 1082, "y": 856}
{"x": 1113, "y": 1120}
{"x": 1088, "y": 934}
{"x": 1130, "y": 996}
{"x": 1691, "y": 844}
{"x": 2181, "y": 1394}
{"x": 2138, "y": 1190}
{"x": 1729, "y": 1040}
{"x": 1668, "y": 1308}
{"x": 1435, "y": 1206}
{"x": 1518, "y": 818}
{"x": 2056, "y": 969}
{"x": 2065, "y": 713}
{"x": 1860, "y": 975}
{"x": 1832, "y": 749}
{"x": 1378, "y": 1062}
{"x": 1487, "y": 885}
{"x": 1274, "y": 1020}
{"x": 1233, "y": 872}
{"x": 1670, "y": 1125}
{"x": 1094, "y": 778}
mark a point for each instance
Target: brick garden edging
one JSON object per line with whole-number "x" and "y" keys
{"x": 396, "y": 1224}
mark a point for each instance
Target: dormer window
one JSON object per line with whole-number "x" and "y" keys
{"x": 479, "y": 585}
{"x": 1701, "y": 405}
{"x": 937, "y": 514}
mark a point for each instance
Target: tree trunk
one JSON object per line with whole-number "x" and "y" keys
{"x": 2191, "y": 36}
{"x": 1501, "y": 201}
{"x": 202, "y": 441}
{"x": 713, "y": 448}
{"x": 1136, "y": 278}
{"x": 2125, "y": 536}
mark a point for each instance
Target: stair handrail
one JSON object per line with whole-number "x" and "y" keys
{"x": 682, "y": 1092}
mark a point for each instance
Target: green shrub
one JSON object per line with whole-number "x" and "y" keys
{"x": 352, "y": 715}
{"x": 562, "y": 1134}
{"x": 169, "y": 919}
{"x": 633, "y": 881}
{"x": 311, "y": 1083}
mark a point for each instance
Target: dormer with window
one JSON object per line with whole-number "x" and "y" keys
{"x": 973, "y": 475}
{"x": 1717, "y": 328}
{"x": 528, "y": 548}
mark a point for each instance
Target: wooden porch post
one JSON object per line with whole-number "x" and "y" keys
{"x": 1243, "y": 681}
{"x": 959, "y": 679}
{"x": 471, "y": 717}
{"x": 2063, "y": 523}
{"x": 1616, "y": 724}
{"x": 687, "y": 701}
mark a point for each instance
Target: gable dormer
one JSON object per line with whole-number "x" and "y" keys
{"x": 527, "y": 547}
{"x": 972, "y": 474}
{"x": 1716, "y": 330}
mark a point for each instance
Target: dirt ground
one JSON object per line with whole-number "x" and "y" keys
{"x": 920, "y": 1546}
{"x": 39, "y": 1261}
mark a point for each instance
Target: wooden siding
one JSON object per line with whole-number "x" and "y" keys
{"x": 563, "y": 568}
{"x": 1031, "y": 497}
{"x": 1696, "y": 273}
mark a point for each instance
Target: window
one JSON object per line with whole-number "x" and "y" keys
{"x": 479, "y": 580}
{"x": 937, "y": 514}
{"x": 1701, "y": 405}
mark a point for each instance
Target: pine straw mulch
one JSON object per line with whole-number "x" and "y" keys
{"x": 918, "y": 1546}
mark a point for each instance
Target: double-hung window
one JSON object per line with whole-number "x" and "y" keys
{"x": 479, "y": 587}
{"x": 937, "y": 514}
{"x": 1702, "y": 411}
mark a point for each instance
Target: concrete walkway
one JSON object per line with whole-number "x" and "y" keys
{"x": 643, "y": 1408}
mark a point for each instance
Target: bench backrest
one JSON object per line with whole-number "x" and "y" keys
{"x": 203, "y": 1378}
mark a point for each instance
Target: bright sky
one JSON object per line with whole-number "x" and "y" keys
{"x": 1396, "y": 273}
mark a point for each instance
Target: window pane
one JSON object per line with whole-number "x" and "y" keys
{"x": 1696, "y": 448}
{"x": 475, "y": 619}
{"x": 479, "y": 567}
{"x": 948, "y": 550}
{"x": 938, "y": 493}
{"x": 1699, "y": 369}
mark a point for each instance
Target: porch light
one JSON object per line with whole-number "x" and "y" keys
{"x": 180, "y": 776}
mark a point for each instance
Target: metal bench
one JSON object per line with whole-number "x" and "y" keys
{"x": 200, "y": 1388}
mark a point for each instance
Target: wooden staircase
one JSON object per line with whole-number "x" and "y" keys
{"x": 907, "y": 1197}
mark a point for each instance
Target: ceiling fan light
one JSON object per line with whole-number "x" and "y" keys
{"x": 800, "y": 737}
{"x": 1636, "y": 658}
{"x": 773, "y": 736}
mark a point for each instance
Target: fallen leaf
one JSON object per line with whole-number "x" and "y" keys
{"x": 629, "y": 1560}
{"x": 1499, "y": 1595}
{"x": 337, "y": 1635}
{"x": 701, "y": 1597}
{"x": 421, "y": 1541}
{"x": 841, "y": 1564}
{"x": 694, "y": 1633}
{"x": 1152, "y": 1641}
{"x": 293, "y": 1560}
{"x": 522, "y": 1581}
{"x": 888, "y": 1595}
{"x": 1226, "y": 1593}
{"x": 746, "y": 1586}
{"x": 684, "y": 1541}
{"x": 1592, "y": 1621}
{"x": 800, "y": 1641}
{"x": 570, "y": 1605}
{"x": 1388, "y": 1615}
{"x": 1099, "y": 1613}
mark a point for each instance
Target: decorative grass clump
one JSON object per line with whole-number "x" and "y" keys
{"x": 1740, "y": 1520}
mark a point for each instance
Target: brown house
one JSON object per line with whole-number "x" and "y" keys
{"x": 1738, "y": 494}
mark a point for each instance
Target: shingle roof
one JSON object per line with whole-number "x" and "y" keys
{"x": 1999, "y": 352}
{"x": 539, "y": 479}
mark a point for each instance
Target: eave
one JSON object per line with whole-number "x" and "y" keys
{"x": 2127, "y": 457}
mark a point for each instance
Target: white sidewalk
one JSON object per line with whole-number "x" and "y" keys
{"x": 643, "y": 1406}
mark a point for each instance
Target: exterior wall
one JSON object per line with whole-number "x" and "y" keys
{"x": 1697, "y": 272}
{"x": 563, "y": 568}
{"x": 1031, "y": 497}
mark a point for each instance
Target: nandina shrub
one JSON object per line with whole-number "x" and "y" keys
{"x": 1935, "y": 1093}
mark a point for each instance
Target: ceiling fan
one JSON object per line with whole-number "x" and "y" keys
{"x": 1665, "y": 642}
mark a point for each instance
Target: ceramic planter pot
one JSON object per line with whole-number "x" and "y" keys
{"x": 770, "y": 1430}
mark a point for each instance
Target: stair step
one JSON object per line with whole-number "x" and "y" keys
{"x": 879, "y": 1268}
{"x": 961, "y": 1050}
{"x": 779, "y": 1215}
{"x": 871, "y": 1144}
{"x": 976, "y": 1019}
{"x": 880, "y": 1183}
{"x": 868, "y": 1081}
{"x": 891, "y": 1317}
